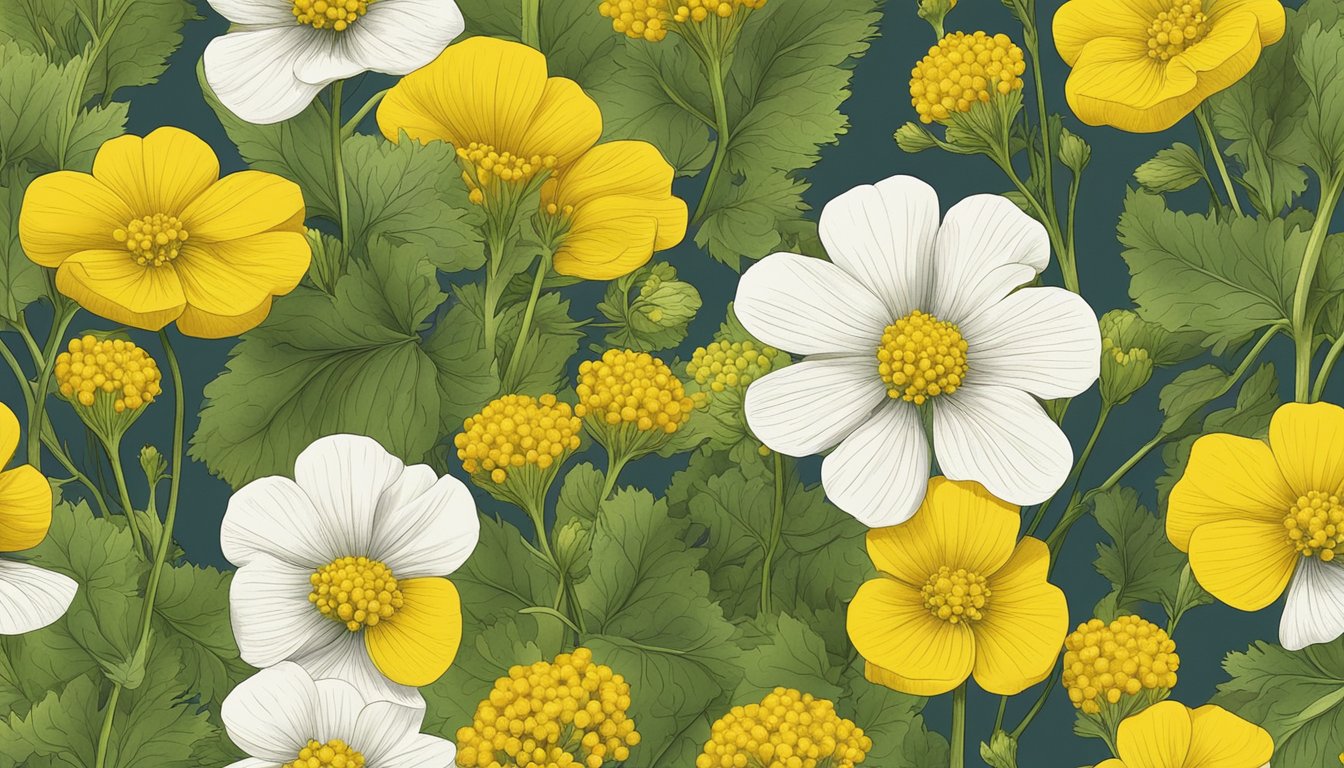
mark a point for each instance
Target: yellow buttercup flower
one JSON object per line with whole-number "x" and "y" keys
{"x": 517, "y": 431}
{"x": 787, "y": 729}
{"x": 1171, "y": 735}
{"x": 958, "y": 595}
{"x": 116, "y": 369}
{"x": 1142, "y": 65}
{"x": 154, "y": 235}
{"x": 636, "y": 389}
{"x": 1104, "y": 663}
{"x": 964, "y": 70}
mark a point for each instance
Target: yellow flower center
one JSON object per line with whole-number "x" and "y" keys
{"x": 333, "y": 754}
{"x": 728, "y": 365}
{"x": 921, "y": 357}
{"x": 516, "y": 431}
{"x": 698, "y": 11}
{"x": 116, "y": 367}
{"x": 1103, "y": 662}
{"x": 650, "y": 19}
{"x": 490, "y": 165}
{"x": 152, "y": 240}
{"x": 788, "y": 728}
{"x": 356, "y": 591}
{"x": 1180, "y": 26}
{"x": 329, "y": 14}
{"x": 628, "y": 387}
{"x": 956, "y": 595}
{"x": 1316, "y": 525}
{"x": 963, "y": 70}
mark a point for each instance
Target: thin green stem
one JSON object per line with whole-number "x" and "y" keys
{"x": 776, "y": 530}
{"x": 543, "y": 266}
{"x": 1328, "y": 365}
{"x": 493, "y": 289}
{"x": 352, "y": 124}
{"x": 614, "y": 466}
{"x": 105, "y": 733}
{"x": 713, "y": 61}
{"x": 1036, "y": 707}
{"x": 1303, "y": 331}
{"x": 1048, "y": 219}
{"x": 114, "y": 457}
{"x": 1042, "y": 117}
{"x": 38, "y": 413}
{"x": 1202, "y": 120}
{"x": 957, "y": 753}
{"x": 998, "y": 719}
{"x": 1071, "y": 483}
{"x": 338, "y": 163}
{"x": 531, "y": 26}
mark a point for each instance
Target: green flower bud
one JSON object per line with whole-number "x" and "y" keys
{"x": 658, "y": 313}
{"x": 1132, "y": 347}
{"x": 934, "y": 11}
{"x": 154, "y": 465}
{"x": 912, "y": 138}
{"x": 1074, "y": 153}
{"x": 574, "y": 549}
{"x": 1000, "y": 752}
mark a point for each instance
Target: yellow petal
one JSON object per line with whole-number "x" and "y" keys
{"x": 1111, "y": 763}
{"x": 65, "y": 212}
{"x": 231, "y": 277}
{"x": 1220, "y": 739}
{"x": 1024, "y": 624}
{"x": 110, "y": 284}
{"x": 1222, "y": 58}
{"x": 1269, "y": 15}
{"x": 616, "y": 168}
{"x": 418, "y": 644}
{"x": 160, "y": 173}
{"x": 9, "y": 434}
{"x": 1157, "y": 737}
{"x": 566, "y": 124}
{"x": 207, "y": 325}
{"x": 243, "y": 204}
{"x": 1079, "y": 22}
{"x": 606, "y": 248}
{"x": 25, "y": 508}
{"x": 1115, "y": 83}
{"x": 1308, "y": 444}
{"x": 1244, "y": 563}
{"x": 959, "y": 525}
{"x": 1227, "y": 478}
{"x": 915, "y": 652}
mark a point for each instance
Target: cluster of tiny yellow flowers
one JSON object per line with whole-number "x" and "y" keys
{"x": 356, "y": 591}
{"x": 568, "y": 712}
{"x": 1103, "y": 662}
{"x": 490, "y": 165}
{"x": 1123, "y": 356}
{"x": 921, "y": 357}
{"x": 114, "y": 366}
{"x": 956, "y": 595}
{"x": 962, "y": 70}
{"x": 728, "y": 365}
{"x": 336, "y": 14}
{"x": 788, "y": 729}
{"x": 333, "y": 754}
{"x": 649, "y": 19}
{"x": 628, "y": 387}
{"x": 516, "y": 431}
{"x": 1180, "y": 26}
{"x": 701, "y": 10}
{"x": 1316, "y": 525}
{"x": 152, "y": 240}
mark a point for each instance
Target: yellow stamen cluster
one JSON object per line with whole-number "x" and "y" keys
{"x": 788, "y": 729}
{"x": 516, "y": 431}
{"x": 568, "y": 712}
{"x": 650, "y": 19}
{"x": 1123, "y": 356}
{"x": 492, "y": 165}
{"x": 1180, "y": 26}
{"x": 921, "y": 357}
{"x": 152, "y": 240}
{"x": 332, "y": 754}
{"x": 963, "y": 70}
{"x": 729, "y": 365}
{"x": 956, "y": 595}
{"x": 116, "y": 367}
{"x": 1316, "y": 525}
{"x": 329, "y": 14}
{"x": 701, "y": 10}
{"x": 628, "y": 387}
{"x": 355, "y": 591}
{"x": 1103, "y": 662}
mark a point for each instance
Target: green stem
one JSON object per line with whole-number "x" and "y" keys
{"x": 776, "y": 529}
{"x": 1323, "y": 375}
{"x": 1036, "y": 708}
{"x": 543, "y": 266}
{"x": 352, "y": 124}
{"x": 338, "y": 164}
{"x": 38, "y": 413}
{"x": 531, "y": 29}
{"x": 1202, "y": 120}
{"x": 1303, "y": 331}
{"x": 114, "y": 456}
{"x": 105, "y": 733}
{"x": 1075, "y": 475}
{"x": 1042, "y": 117}
{"x": 493, "y": 290}
{"x": 998, "y": 719}
{"x": 614, "y": 466}
{"x": 957, "y": 753}
{"x": 1057, "y": 242}
{"x": 713, "y": 61}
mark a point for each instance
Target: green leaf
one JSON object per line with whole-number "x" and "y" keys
{"x": 579, "y": 495}
{"x": 159, "y": 724}
{"x": 552, "y": 340}
{"x": 1187, "y": 395}
{"x": 1320, "y": 60}
{"x": 894, "y": 722}
{"x": 485, "y": 656}
{"x": 792, "y": 656}
{"x": 745, "y": 220}
{"x": 1298, "y": 696}
{"x": 1141, "y": 565}
{"x": 191, "y": 613}
{"x": 21, "y": 281}
{"x": 1172, "y": 169}
{"x": 63, "y": 725}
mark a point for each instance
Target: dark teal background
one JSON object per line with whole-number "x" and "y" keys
{"x": 879, "y": 104}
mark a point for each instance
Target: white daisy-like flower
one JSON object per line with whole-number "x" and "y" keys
{"x": 280, "y": 53}
{"x": 283, "y": 718}
{"x": 906, "y": 314}
{"x": 341, "y": 569}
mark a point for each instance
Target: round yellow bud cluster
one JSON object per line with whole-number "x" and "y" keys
{"x": 729, "y": 365}
{"x": 700, "y": 10}
{"x": 568, "y": 712}
{"x": 355, "y": 591}
{"x": 152, "y": 240}
{"x": 332, "y": 754}
{"x": 516, "y": 431}
{"x": 116, "y": 367}
{"x": 788, "y": 729}
{"x": 1103, "y": 662}
{"x": 1316, "y": 525}
{"x": 628, "y": 387}
{"x": 637, "y": 19}
{"x": 962, "y": 70}
{"x": 335, "y": 14}
{"x": 921, "y": 357}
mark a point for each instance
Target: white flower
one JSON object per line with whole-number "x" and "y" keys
{"x": 340, "y": 569}
{"x": 282, "y": 717}
{"x": 907, "y": 313}
{"x": 281, "y": 53}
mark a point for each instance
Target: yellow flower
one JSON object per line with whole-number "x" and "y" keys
{"x": 517, "y": 431}
{"x": 964, "y": 70}
{"x": 958, "y": 595}
{"x": 1171, "y": 735}
{"x": 1142, "y": 65}
{"x": 113, "y": 368}
{"x": 628, "y": 388}
{"x": 1105, "y": 662}
{"x": 154, "y": 235}
{"x": 650, "y": 19}
{"x": 786, "y": 729}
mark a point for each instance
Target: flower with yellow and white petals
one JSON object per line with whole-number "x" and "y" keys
{"x": 906, "y": 314}
{"x": 283, "y": 718}
{"x": 341, "y": 569}
{"x": 281, "y": 53}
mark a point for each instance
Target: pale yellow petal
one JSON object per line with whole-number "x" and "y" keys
{"x": 160, "y": 173}
{"x": 110, "y": 284}
{"x": 1244, "y": 563}
{"x": 1308, "y": 444}
{"x": 418, "y": 644}
{"x": 893, "y": 630}
{"x": 242, "y": 204}
{"x": 1024, "y": 625}
{"x": 607, "y": 248}
{"x": 1227, "y": 478}
{"x": 65, "y": 212}
{"x": 1079, "y": 22}
{"x": 1220, "y": 739}
{"x": 1222, "y": 58}
{"x": 25, "y": 508}
{"x": 1157, "y": 737}
{"x": 566, "y": 124}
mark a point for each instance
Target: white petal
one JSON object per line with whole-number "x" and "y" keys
{"x": 272, "y": 714}
{"x": 255, "y": 12}
{"x": 808, "y": 306}
{"x": 327, "y": 60}
{"x": 398, "y": 36}
{"x": 422, "y": 751}
{"x": 32, "y": 597}
{"x": 429, "y": 534}
{"x": 883, "y": 235}
{"x": 1041, "y": 340}
{"x": 273, "y": 517}
{"x": 986, "y": 247}
{"x": 1001, "y": 438}
{"x": 345, "y": 476}
{"x": 339, "y": 705}
{"x": 1314, "y": 612}
{"x": 271, "y": 616}
{"x": 252, "y": 72}
{"x": 253, "y": 762}
{"x": 810, "y": 406}
{"x": 347, "y": 659}
{"x": 383, "y": 728}
{"x": 879, "y": 474}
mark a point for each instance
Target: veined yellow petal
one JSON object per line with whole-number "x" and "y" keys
{"x": 226, "y": 278}
{"x": 25, "y": 508}
{"x": 1269, "y": 14}
{"x": 1111, "y": 763}
{"x": 1114, "y": 82}
{"x": 418, "y": 644}
{"x": 1308, "y": 444}
{"x": 65, "y": 212}
{"x": 1079, "y": 22}
{"x": 1244, "y": 563}
{"x": 160, "y": 173}
{"x": 1220, "y": 739}
{"x": 1157, "y": 737}
{"x": 242, "y": 204}
{"x": 1222, "y": 58}
{"x": 615, "y": 168}
{"x": 109, "y": 283}
{"x": 893, "y": 630}
{"x": 1227, "y": 478}
{"x": 9, "y": 434}
{"x": 1024, "y": 625}
{"x": 605, "y": 248}
{"x": 566, "y": 123}
{"x": 205, "y": 325}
